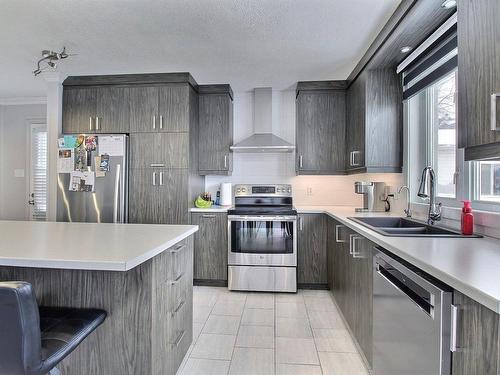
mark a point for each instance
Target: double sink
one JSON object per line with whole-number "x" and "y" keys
{"x": 406, "y": 227}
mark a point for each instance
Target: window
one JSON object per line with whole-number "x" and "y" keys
{"x": 485, "y": 178}
{"x": 431, "y": 117}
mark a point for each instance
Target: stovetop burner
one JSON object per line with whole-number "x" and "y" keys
{"x": 262, "y": 200}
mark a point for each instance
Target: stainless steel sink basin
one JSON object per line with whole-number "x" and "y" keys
{"x": 403, "y": 227}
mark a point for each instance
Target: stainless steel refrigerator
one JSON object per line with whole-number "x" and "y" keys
{"x": 107, "y": 200}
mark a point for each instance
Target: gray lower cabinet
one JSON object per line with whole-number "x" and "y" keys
{"x": 374, "y": 123}
{"x": 320, "y": 131}
{"x": 96, "y": 110}
{"x": 312, "y": 249}
{"x": 479, "y": 78}
{"x": 159, "y": 196}
{"x": 210, "y": 247}
{"x": 478, "y": 339}
{"x": 215, "y": 131}
{"x": 352, "y": 284}
{"x": 165, "y": 150}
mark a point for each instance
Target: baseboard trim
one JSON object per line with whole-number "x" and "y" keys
{"x": 313, "y": 286}
{"x": 203, "y": 282}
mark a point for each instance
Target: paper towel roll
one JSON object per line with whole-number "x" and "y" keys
{"x": 226, "y": 194}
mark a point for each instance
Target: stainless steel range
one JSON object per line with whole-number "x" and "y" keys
{"x": 262, "y": 239}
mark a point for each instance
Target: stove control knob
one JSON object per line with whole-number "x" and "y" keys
{"x": 289, "y": 190}
{"x": 243, "y": 190}
{"x": 238, "y": 190}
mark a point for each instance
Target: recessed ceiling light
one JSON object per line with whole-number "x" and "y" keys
{"x": 405, "y": 49}
{"x": 448, "y": 4}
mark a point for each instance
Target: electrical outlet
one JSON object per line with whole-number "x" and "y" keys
{"x": 309, "y": 191}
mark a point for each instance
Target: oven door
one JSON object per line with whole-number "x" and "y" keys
{"x": 262, "y": 240}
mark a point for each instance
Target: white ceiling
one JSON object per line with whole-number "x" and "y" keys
{"x": 247, "y": 43}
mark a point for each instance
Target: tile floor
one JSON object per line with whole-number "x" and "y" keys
{"x": 264, "y": 333}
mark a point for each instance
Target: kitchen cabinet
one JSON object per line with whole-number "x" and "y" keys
{"x": 216, "y": 130}
{"x": 95, "y": 110}
{"x": 160, "y": 108}
{"x": 158, "y": 196}
{"x": 477, "y": 338}
{"x": 210, "y": 248}
{"x": 320, "y": 127}
{"x": 479, "y": 78}
{"x": 374, "y": 123}
{"x": 352, "y": 284}
{"x": 164, "y": 150}
{"x": 311, "y": 251}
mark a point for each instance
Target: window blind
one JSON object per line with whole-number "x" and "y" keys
{"x": 39, "y": 173}
{"x": 436, "y": 59}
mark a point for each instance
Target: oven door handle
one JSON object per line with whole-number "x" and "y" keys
{"x": 261, "y": 218}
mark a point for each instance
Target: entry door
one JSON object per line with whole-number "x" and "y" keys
{"x": 38, "y": 172}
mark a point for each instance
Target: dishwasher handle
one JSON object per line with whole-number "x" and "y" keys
{"x": 405, "y": 288}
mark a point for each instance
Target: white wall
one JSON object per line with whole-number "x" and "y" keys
{"x": 14, "y": 136}
{"x": 280, "y": 168}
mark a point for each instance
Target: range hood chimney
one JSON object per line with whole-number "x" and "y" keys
{"x": 263, "y": 139}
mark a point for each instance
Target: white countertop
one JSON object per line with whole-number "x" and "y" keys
{"x": 214, "y": 208}
{"x": 469, "y": 265}
{"x": 88, "y": 246}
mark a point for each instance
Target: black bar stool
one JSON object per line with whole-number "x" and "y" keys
{"x": 33, "y": 340}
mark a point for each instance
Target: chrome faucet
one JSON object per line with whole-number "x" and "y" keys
{"x": 427, "y": 189}
{"x": 407, "y": 211}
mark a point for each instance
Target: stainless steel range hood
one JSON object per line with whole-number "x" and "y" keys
{"x": 263, "y": 139}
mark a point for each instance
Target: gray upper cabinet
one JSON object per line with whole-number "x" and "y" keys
{"x": 143, "y": 109}
{"x": 216, "y": 130}
{"x": 161, "y": 150}
{"x": 312, "y": 249}
{"x": 374, "y": 123}
{"x": 79, "y": 108}
{"x": 210, "y": 246}
{"x": 479, "y": 78}
{"x": 160, "y": 108}
{"x": 173, "y": 108}
{"x": 320, "y": 127}
{"x": 96, "y": 110}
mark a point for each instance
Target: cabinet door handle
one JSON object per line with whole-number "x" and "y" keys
{"x": 177, "y": 249}
{"x": 353, "y": 158}
{"x": 96, "y": 123}
{"x": 337, "y": 234}
{"x": 157, "y": 165}
{"x": 494, "y": 102}
{"x": 161, "y": 178}
{"x": 154, "y": 122}
{"x": 352, "y": 245}
{"x": 154, "y": 178}
{"x": 301, "y": 160}
{"x": 179, "y": 306}
{"x": 173, "y": 282}
{"x": 208, "y": 216}
{"x": 225, "y": 161}
{"x": 161, "y": 122}
{"x": 454, "y": 345}
{"x": 179, "y": 338}
{"x": 90, "y": 123}
{"x": 301, "y": 223}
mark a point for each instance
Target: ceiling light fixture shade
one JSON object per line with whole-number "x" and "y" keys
{"x": 406, "y": 49}
{"x": 448, "y": 4}
{"x": 48, "y": 59}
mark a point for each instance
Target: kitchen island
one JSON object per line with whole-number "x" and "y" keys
{"x": 140, "y": 274}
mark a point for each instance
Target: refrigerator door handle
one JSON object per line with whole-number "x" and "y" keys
{"x": 117, "y": 193}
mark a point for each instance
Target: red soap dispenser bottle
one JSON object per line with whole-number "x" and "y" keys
{"x": 467, "y": 219}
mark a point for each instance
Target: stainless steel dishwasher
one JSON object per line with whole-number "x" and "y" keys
{"x": 411, "y": 320}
